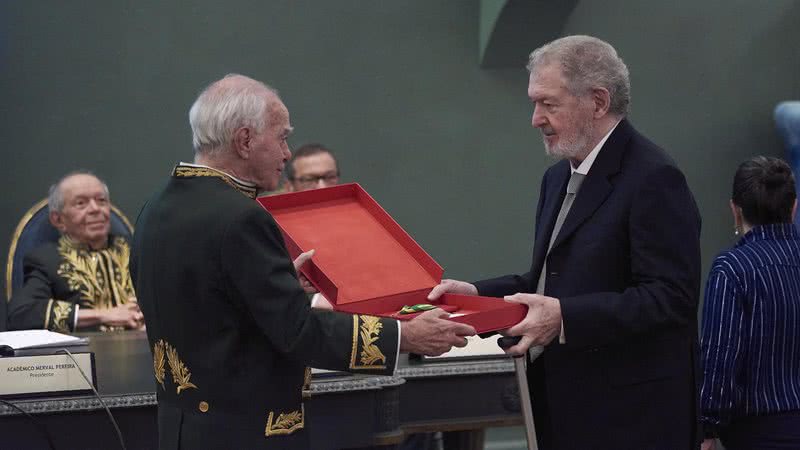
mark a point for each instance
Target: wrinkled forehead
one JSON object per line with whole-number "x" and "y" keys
{"x": 318, "y": 163}
{"x": 81, "y": 185}
{"x": 278, "y": 115}
{"x": 546, "y": 81}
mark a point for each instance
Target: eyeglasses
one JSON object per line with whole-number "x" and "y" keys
{"x": 315, "y": 179}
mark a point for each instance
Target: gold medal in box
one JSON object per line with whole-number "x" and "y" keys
{"x": 409, "y": 311}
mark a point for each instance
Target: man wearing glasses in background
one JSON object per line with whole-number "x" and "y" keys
{"x": 312, "y": 167}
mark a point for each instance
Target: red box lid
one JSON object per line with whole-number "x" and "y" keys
{"x": 364, "y": 261}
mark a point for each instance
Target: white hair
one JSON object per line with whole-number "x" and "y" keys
{"x": 586, "y": 63}
{"x": 55, "y": 197}
{"x": 223, "y": 107}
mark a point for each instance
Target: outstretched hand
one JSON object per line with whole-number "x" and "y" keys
{"x": 431, "y": 334}
{"x": 452, "y": 286}
{"x": 541, "y": 324}
{"x": 298, "y": 263}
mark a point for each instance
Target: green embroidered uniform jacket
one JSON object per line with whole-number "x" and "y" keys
{"x": 60, "y": 275}
{"x": 230, "y": 328}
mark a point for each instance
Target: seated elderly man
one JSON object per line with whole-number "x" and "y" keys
{"x": 82, "y": 281}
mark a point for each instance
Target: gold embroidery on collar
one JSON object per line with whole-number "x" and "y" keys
{"x": 180, "y": 373}
{"x": 369, "y": 353}
{"x": 101, "y": 277}
{"x": 61, "y": 313}
{"x": 189, "y": 171}
{"x": 158, "y": 362}
{"x": 286, "y": 423}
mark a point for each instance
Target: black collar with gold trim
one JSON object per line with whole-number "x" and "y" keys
{"x": 190, "y": 171}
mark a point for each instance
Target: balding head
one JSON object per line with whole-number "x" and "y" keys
{"x": 80, "y": 208}
{"x": 226, "y": 105}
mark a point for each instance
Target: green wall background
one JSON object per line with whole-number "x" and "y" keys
{"x": 395, "y": 88}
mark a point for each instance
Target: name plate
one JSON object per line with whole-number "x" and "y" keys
{"x": 45, "y": 374}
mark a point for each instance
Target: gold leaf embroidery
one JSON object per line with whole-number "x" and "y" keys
{"x": 158, "y": 362}
{"x": 80, "y": 271}
{"x": 370, "y": 330}
{"x": 369, "y": 333}
{"x": 286, "y": 423}
{"x": 188, "y": 171}
{"x": 120, "y": 254}
{"x": 61, "y": 312}
{"x": 180, "y": 373}
{"x": 85, "y": 273}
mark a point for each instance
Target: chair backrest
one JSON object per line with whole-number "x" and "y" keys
{"x": 34, "y": 229}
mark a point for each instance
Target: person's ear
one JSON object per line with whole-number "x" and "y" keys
{"x": 57, "y": 220}
{"x": 738, "y": 222}
{"x": 794, "y": 209}
{"x": 602, "y": 102}
{"x": 242, "y": 142}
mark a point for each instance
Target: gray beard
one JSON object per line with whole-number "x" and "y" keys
{"x": 574, "y": 147}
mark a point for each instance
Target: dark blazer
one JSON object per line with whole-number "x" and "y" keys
{"x": 230, "y": 328}
{"x": 626, "y": 269}
{"x": 59, "y": 275}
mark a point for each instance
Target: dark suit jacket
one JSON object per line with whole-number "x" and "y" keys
{"x": 230, "y": 328}
{"x": 626, "y": 269}
{"x": 60, "y": 275}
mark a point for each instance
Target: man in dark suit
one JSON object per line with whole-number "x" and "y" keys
{"x": 229, "y": 325}
{"x": 614, "y": 282}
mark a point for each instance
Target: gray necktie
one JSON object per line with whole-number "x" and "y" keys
{"x": 573, "y": 186}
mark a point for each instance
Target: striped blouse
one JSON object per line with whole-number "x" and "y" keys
{"x": 751, "y": 328}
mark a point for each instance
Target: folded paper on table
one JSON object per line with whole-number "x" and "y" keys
{"x": 14, "y": 341}
{"x": 476, "y": 347}
{"x": 365, "y": 263}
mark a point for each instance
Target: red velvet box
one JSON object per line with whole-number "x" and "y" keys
{"x": 366, "y": 263}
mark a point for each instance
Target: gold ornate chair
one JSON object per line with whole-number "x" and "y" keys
{"x": 34, "y": 229}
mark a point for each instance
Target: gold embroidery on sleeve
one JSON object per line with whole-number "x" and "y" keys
{"x": 286, "y": 423}
{"x": 61, "y": 312}
{"x": 158, "y": 362}
{"x": 368, "y": 333}
{"x": 180, "y": 373}
{"x": 47, "y": 314}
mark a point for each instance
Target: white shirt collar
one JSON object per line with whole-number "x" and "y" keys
{"x": 586, "y": 164}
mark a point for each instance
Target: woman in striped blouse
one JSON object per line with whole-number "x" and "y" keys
{"x": 751, "y": 319}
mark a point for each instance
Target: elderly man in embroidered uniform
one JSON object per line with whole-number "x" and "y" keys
{"x": 221, "y": 298}
{"x": 82, "y": 281}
